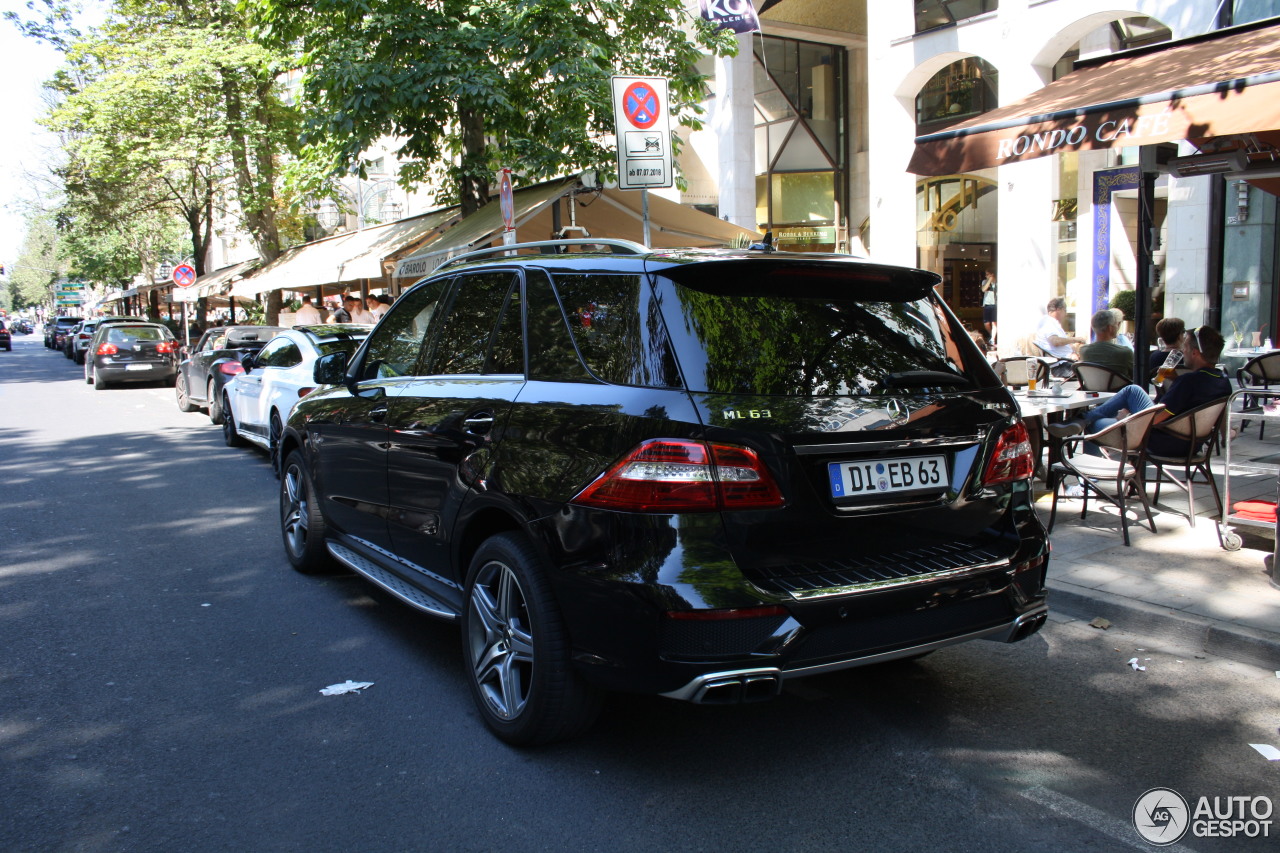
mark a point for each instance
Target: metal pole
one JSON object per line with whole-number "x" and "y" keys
{"x": 644, "y": 213}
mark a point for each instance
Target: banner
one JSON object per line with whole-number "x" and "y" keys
{"x": 737, "y": 15}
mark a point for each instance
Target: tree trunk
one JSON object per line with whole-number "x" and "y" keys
{"x": 474, "y": 189}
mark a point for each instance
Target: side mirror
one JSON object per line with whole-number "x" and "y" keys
{"x": 247, "y": 362}
{"x": 331, "y": 369}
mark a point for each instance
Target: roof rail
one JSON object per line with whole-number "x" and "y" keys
{"x": 628, "y": 247}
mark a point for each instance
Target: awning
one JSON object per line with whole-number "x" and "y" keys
{"x": 1218, "y": 84}
{"x": 218, "y": 282}
{"x": 343, "y": 259}
{"x": 603, "y": 213}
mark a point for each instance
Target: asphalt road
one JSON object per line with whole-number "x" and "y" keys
{"x": 160, "y": 668}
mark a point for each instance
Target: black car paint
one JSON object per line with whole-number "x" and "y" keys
{"x": 616, "y": 575}
{"x": 200, "y": 366}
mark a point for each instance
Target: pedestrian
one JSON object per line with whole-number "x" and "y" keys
{"x": 1105, "y": 350}
{"x": 988, "y": 288}
{"x": 342, "y": 314}
{"x": 359, "y": 314}
{"x": 1050, "y": 336}
{"x": 1169, "y": 335}
{"x": 308, "y": 314}
{"x": 375, "y": 307}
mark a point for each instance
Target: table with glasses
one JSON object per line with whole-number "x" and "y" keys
{"x": 1037, "y": 408}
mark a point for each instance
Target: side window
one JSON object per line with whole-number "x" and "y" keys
{"x": 617, "y": 326}
{"x": 467, "y": 333}
{"x": 552, "y": 357}
{"x": 281, "y": 352}
{"x": 396, "y": 344}
{"x": 507, "y": 353}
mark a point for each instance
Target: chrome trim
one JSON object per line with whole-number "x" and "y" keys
{"x": 957, "y": 442}
{"x": 891, "y": 583}
{"x": 396, "y": 586}
{"x": 697, "y": 688}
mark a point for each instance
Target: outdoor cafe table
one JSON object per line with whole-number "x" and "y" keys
{"x": 1037, "y": 409}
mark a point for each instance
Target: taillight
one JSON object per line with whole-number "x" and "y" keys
{"x": 105, "y": 348}
{"x": 302, "y": 392}
{"x": 230, "y": 368}
{"x": 85, "y": 337}
{"x": 675, "y": 475}
{"x": 166, "y": 347}
{"x": 1012, "y": 459}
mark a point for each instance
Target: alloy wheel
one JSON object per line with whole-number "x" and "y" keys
{"x": 499, "y": 642}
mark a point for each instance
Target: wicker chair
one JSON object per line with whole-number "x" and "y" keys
{"x": 1123, "y": 466}
{"x": 1099, "y": 377}
{"x": 1261, "y": 372}
{"x": 1202, "y": 429}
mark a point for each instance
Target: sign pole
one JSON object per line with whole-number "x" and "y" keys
{"x": 644, "y": 214}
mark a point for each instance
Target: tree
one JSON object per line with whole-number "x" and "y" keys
{"x": 36, "y": 270}
{"x": 170, "y": 104}
{"x": 477, "y": 84}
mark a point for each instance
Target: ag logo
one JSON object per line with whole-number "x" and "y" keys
{"x": 1161, "y": 816}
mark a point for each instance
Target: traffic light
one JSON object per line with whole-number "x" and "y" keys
{"x": 1, "y": 269}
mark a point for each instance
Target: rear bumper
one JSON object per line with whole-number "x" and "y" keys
{"x": 121, "y": 373}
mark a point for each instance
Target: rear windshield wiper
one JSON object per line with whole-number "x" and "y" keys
{"x": 926, "y": 379}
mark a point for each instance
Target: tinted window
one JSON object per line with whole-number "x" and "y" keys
{"x": 768, "y": 336}
{"x": 124, "y": 334}
{"x": 281, "y": 352}
{"x": 618, "y": 329}
{"x": 466, "y": 336}
{"x": 552, "y": 356}
{"x": 394, "y": 348}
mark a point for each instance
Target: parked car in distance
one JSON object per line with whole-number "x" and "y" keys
{"x": 56, "y": 328}
{"x": 691, "y": 473}
{"x": 6, "y": 337}
{"x": 204, "y": 370}
{"x": 77, "y": 342}
{"x": 257, "y": 402}
{"x": 131, "y": 352}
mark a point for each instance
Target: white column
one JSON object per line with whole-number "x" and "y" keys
{"x": 734, "y": 125}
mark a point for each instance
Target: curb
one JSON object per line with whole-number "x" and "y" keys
{"x": 1233, "y": 642}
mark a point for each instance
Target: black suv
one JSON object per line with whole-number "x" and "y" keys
{"x": 695, "y": 473}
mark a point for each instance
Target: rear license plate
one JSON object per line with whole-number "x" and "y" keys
{"x": 887, "y": 476}
{"x": 138, "y": 366}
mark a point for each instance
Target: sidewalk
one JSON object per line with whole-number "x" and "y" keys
{"x": 1178, "y": 584}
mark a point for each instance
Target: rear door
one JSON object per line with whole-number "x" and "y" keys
{"x": 443, "y": 424}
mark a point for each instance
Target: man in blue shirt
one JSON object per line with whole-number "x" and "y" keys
{"x": 1200, "y": 350}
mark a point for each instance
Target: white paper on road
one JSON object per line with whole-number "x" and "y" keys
{"x": 1133, "y": 662}
{"x": 345, "y": 687}
{"x": 1268, "y": 751}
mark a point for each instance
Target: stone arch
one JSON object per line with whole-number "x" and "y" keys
{"x": 1061, "y": 41}
{"x": 917, "y": 77}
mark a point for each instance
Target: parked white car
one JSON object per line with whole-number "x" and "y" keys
{"x": 257, "y": 403}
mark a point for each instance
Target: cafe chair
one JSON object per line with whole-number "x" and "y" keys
{"x": 1202, "y": 429}
{"x": 1261, "y": 372}
{"x": 1122, "y": 468}
{"x": 1016, "y": 370}
{"x": 1099, "y": 377}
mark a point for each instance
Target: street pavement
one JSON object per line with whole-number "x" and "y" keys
{"x": 1178, "y": 583}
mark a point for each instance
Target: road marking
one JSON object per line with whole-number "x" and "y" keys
{"x": 1099, "y": 820}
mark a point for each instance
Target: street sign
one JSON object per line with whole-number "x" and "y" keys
{"x": 642, "y": 121}
{"x": 506, "y": 200}
{"x": 184, "y": 275}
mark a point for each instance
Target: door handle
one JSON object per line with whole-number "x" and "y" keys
{"x": 378, "y": 413}
{"x": 478, "y": 424}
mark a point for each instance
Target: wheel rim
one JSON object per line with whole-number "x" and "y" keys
{"x": 273, "y": 440}
{"x": 294, "y": 513}
{"x": 228, "y": 422}
{"x": 181, "y": 386}
{"x": 500, "y": 641}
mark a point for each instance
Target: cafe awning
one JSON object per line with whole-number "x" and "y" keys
{"x": 1219, "y": 84}
{"x": 344, "y": 259}
{"x": 602, "y": 213}
{"x": 218, "y": 282}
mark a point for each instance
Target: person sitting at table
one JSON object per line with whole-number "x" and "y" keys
{"x": 1169, "y": 336}
{"x": 1050, "y": 336}
{"x": 1104, "y": 350}
{"x": 1200, "y": 350}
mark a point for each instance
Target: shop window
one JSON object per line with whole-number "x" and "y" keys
{"x": 961, "y": 90}
{"x": 932, "y": 14}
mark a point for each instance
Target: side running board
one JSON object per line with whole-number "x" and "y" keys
{"x": 392, "y": 583}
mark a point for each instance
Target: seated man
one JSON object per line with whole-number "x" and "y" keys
{"x": 1200, "y": 350}
{"x": 1050, "y": 336}
{"x": 1104, "y": 350}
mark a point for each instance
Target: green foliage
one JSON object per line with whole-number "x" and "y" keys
{"x": 1127, "y": 303}
{"x": 478, "y": 84}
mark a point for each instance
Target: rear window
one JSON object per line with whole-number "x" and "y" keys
{"x": 125, "y": 334}
{"x": 815, "y": 333}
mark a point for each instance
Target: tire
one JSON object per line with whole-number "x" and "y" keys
{"x": 229, "y": 434}
{"x": 215, "y": 403}
{"x": 88, "y": 380}
{"x": 78, "y": 358}
{"x": 516, "y": 649}
{"x": 180, "y": 391}
{"x": 98, "y": 382}
{"x": 275, "y": 431}
{"x": 301, "y": 522}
